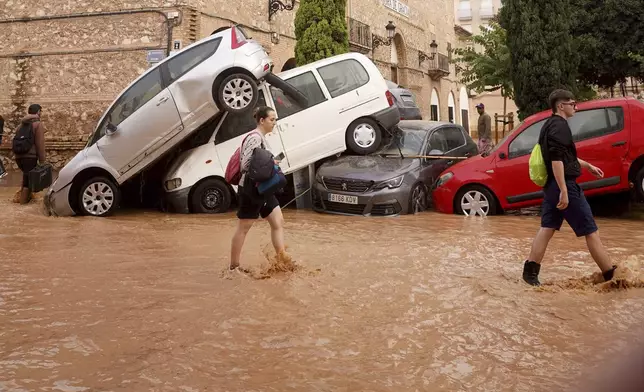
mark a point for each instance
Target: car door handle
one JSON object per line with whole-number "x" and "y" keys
{"x": 620, "y": 143}
{"x": 162, "y": 100}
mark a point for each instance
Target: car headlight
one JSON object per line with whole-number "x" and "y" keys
{"x": 173, "y": 184}
{"x": 391, "y": 184}
{"x": 444, "y": 178}
{"x": 318, "y": 178}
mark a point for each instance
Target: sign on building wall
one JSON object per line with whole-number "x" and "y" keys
{"x": 397, "y": 6}
{"x": 155, "y": 56}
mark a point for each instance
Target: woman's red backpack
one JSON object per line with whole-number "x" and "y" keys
{"x": 233, "y": 170}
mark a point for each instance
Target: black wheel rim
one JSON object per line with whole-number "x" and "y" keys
{"x": 212, "y": 199}
{"x": 419, "y": 201}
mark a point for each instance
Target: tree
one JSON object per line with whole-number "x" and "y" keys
{"x": 606, "y": 34}
{"x": 543, "y": 54}
{"x": 489, "y": 69}
{"x": 321, "y": 30}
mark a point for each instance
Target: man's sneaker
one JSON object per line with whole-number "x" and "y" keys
{"x": 608, "y": 275}
{"x": 531, "y": 273}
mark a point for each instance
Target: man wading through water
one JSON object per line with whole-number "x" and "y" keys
{"x": 563, "y": 167}
{"x": 252, "y": 204}
{"x": 30, "y": 148}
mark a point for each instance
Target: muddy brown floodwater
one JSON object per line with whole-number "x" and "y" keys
{"x": 138, "y": 302}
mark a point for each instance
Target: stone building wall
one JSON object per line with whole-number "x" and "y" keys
{"x": 415, "y": 30}
{"x": 73, "y": 63}
{"x": 75, "y": 66}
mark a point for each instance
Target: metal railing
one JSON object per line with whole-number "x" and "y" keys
{"x": 439, "y": 63}
{"x": 359, "y": 33}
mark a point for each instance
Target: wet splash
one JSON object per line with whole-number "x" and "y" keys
{"x": 36, "y": 198}
{"x": 628, "y": 275}
{"x": 277, "y": 264}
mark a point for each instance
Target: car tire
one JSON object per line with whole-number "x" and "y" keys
{"x": 287, "y": 88}
{"x": 363, "y": 136}
{"x": 237, "y": 93}
{"x": 471, "y": 193}
{"x": 639, "y": 183}
{"x": 211, "y": 196}
{"x": 418, "y": 199}
{"x": 99, "y": 196}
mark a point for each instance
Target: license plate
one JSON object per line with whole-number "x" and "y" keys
{"x": 343, "y": 199}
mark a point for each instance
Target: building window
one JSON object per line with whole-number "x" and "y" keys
{"x": 487, "y": 9}
{"x": 464, "y": 12}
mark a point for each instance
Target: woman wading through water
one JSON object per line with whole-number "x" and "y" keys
{"x": 252, "y": 204}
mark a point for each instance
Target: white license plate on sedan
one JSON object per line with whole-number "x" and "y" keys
{"x": 343, "y": 199}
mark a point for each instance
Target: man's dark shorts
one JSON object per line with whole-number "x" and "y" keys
{"x": 255, "y": 205}
{"x": 578, "y": 213}
{"x": 26, "y": 165}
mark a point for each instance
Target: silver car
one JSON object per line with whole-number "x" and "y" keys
{"x": 405, "y": 101}
{"x": 155, "y": 113}
{"x": 397, "y": 179}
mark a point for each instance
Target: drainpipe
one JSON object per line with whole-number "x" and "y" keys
{"x": 94, "y": 14}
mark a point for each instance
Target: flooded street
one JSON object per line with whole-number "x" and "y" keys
{"x": 138, "y": 302}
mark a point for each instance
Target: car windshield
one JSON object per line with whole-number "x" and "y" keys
{"x": 410, "y": 142}
{"x": 502, "y": 141}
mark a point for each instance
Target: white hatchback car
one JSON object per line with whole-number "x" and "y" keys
{"x": 162, "y": 107}
{"x": 348, "y": 107}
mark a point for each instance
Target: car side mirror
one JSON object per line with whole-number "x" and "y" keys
{"x": 502, "y": 155}
{"x": 110, "y": 128}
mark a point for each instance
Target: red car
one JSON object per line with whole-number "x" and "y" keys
{"x": 608, "y": 133}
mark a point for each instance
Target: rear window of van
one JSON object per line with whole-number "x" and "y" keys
{"x": 343, "y": 76}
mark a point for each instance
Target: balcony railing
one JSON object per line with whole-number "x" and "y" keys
{"x": 439, "y": 67}
{"x": 359, "y": 36}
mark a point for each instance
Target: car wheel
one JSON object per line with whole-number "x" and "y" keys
{"x": 364, "y": 136}
{"x": 212, "y": 196}
{"x": 99, "y": 197}
{"x": 639, "y": 183}
{"x": 418, "y": 199}
{"x": 237, "y": 93}
{"x": 475, "y": 201}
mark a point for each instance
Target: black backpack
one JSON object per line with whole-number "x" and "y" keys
{"x": 262, "y": 165}
{"x": 24, "y": 139}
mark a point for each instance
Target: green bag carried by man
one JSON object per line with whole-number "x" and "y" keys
{"x": 538, "y": 171}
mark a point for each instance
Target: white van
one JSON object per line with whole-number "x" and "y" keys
{"x": 349, "y": 107}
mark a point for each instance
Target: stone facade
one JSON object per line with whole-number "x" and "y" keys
{"x": 74, "y": 58}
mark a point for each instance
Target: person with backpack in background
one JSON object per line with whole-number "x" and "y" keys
{"x": 252, "y": 203}
{"x": 29, "y": 147}
{"x": 563, "y": 197}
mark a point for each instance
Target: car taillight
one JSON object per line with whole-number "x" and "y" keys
{"x": 390, "y": 98}
{"x": 237, "y": 41}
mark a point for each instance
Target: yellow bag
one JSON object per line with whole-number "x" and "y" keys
{"x": 538, "y": 171}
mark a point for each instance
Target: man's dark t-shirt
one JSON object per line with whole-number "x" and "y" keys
{"x": 557, "y": 145}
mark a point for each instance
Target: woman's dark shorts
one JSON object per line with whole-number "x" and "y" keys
{"x": 254, "y": 205}
{"x": 578, "y": 213}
